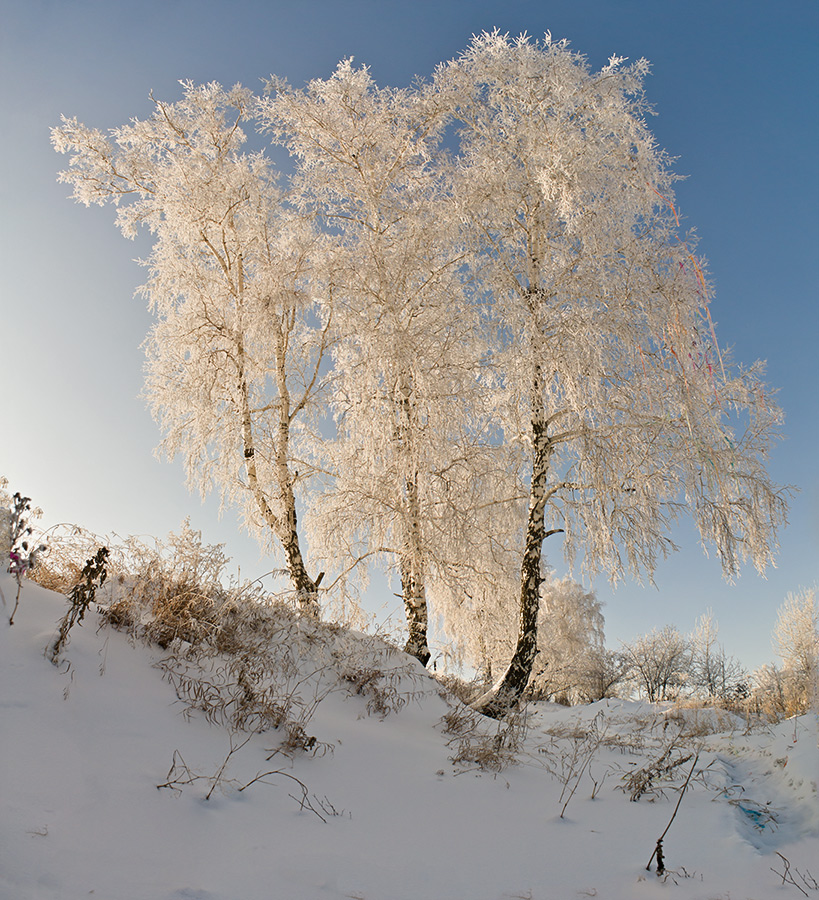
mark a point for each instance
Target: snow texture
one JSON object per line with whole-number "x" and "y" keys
{"x": 85, "y": 746}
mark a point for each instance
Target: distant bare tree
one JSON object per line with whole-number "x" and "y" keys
{"x": 604, "y": 671}
{"x": 713, "y": 673}
{"x": 660, "y": 662}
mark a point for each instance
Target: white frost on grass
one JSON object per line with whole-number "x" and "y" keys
{"x": 82, "y": 751}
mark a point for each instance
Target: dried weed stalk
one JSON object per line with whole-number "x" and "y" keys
{"x": 181, "y": 775}
{"x": 81, "y": 597}
{"x": 802, "y": 881}
{"x": 569, "y": 765}
{"x": 658, "y": 849}
{"x": 645, "y": 781}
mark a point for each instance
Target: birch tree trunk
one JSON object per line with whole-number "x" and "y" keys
{"x": 412, "y": 582}
{"x": 507, "y": 691}
{"x": 285, "y": 524}
{"x": 413, "y": 587}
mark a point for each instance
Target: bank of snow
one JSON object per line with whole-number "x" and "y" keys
{"x": 84, "y": 748}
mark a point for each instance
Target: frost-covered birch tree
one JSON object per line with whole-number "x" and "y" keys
{"x": 796, "y": 639}
{"x": 410, "y": 453}
{"x": 570, "y": 638}
{"x": 522, "y": 322}
{"x": 612, "y": 380}
{"x": 234, "y": 359}
{"x": 712, "y": 673}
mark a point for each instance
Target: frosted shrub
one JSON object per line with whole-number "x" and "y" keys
{"x": 256, "y": 665}
{"x": 572, "y": 664}
{"x": 570, "y": 641}
{"x": 246, "y": 660}
{"x": 478, "y": 743}
{"x": 777, "y": 693}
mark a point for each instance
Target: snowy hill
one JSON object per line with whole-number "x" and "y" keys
{"x": 386, "y": 803}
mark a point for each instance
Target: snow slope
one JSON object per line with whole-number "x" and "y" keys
{"x": 83, "y": 748}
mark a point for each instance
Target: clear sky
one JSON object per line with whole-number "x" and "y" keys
{"x": 735, "y": 84}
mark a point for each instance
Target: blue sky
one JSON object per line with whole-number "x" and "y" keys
{"x": 736, "y": 89}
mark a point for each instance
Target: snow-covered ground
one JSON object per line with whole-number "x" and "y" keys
{"x": 393, "y": 817}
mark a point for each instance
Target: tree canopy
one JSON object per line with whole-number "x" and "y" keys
{"x": 466, "y": 320}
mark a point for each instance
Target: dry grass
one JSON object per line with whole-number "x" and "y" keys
{"x": 650, "y": 779}
{"x": 569, "y": 760}
{"x": 477, "y": 742}
{"x": 242, "y": 658}
{"x": 236, "y": 655}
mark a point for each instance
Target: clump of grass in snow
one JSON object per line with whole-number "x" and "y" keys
{"x": 236, "y": 654}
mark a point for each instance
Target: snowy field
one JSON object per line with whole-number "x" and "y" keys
{"x": 393, "y": 807}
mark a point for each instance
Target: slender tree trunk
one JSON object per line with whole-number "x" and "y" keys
{"x": 415, "y": 606}
{"x": 412, "y": 580}
{"x": 284, "y": 526}
{"x": 306, "y": 587}
{"x": 412, "y": 571}
{"x": 498, "y": 701}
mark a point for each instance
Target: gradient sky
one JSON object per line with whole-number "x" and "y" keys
{"x": 735, "y": 84}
